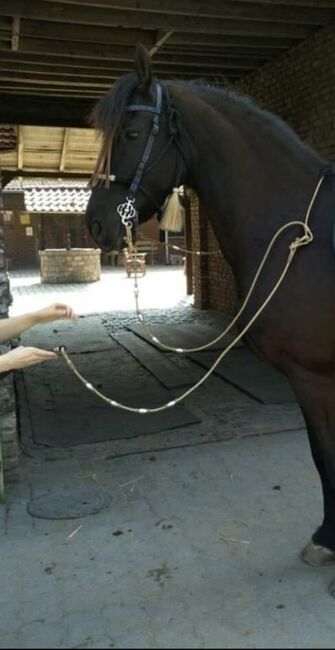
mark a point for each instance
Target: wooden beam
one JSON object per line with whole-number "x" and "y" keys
{"x": 232, "y": 40}
{"x": 273, "y": 11}
{"x": 58, "y": 61}
{"x": 64, "y": 150}
{"x": 301, "y": 3}
{"x": 52, "y": 171}
{"x": 219, "y": 53}
{"x": 75, "y": 50}
{"x": 169, "y": 61}
{"x": 232, "y": 16}
{"x": 42, "y": 107}
{"x": 50, "y": 93}
{"x": 104, "y": 54}
{"x": 41, "y": 80}
{"x": 20, "y": 147}
{"x": 83, "y": 33}
{"x": 101, "y": 64}
{"x": 88, "y": 68}
{"x": 70, "y": 90}
{"x": 59, "y": 87}
{"x": 45, "y": 111}
{"x": 127, "y": 37}
{"x": 177, "y": 66}
{"x": 15, "y": 33}
{"x": 161, "y": 39}
{"x": 21, "y": 89}
{"x": 104, "y": 84}
{"x": 9, "y": 174}
{"x": 108, "y": 75}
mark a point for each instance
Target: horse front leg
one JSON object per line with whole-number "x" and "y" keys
{"x": 315, "y": 395}
{"x": 320, "y": 551}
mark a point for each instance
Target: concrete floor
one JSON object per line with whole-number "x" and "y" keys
{"x": 198, "y": 549}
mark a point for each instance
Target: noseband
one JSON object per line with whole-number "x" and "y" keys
{"x": 127, "y": 210}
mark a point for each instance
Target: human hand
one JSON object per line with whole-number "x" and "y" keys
{"x": 55, "y": 311}
{"x": 22, "y": 357}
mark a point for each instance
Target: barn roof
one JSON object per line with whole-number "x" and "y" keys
{"x": 52, "y": 195}
{"x": 50, "y": 149}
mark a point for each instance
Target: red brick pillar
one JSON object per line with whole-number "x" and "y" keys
{"x": 222, "y": 287}
{"x": 199, "y": 221}
{"x": 213, "y": 280}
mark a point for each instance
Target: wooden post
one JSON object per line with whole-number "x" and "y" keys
{"x": 20, "y": 147}
{"x": 64, "y": 150}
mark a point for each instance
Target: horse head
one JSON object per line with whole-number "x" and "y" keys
{"x": 141, "y": 160}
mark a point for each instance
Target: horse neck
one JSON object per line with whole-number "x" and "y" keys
{"x": 250, "y": 171}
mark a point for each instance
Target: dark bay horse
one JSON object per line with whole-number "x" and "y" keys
{"x": 253, "y": 174}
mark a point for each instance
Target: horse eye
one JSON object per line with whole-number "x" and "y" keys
{"x": 131, "y": 134}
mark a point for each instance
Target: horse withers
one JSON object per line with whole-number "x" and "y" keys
{"x": 253, "y": 174}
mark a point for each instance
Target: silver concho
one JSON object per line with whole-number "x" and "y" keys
{"x": 127, "y": 212}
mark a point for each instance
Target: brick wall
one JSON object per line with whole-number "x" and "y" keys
{"x": 20, "y": 248}
{"x": 213, "y": 281}
{"x": 199, "y": 224}
{"x": 300, "y": 87}
{"x": 75, "y": 265}
{"x": 24, "y": 239}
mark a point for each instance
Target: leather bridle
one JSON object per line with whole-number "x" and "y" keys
{"x": 127, "y": 211}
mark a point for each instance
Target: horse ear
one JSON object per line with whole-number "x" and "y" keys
{"x": 143, "y": 67}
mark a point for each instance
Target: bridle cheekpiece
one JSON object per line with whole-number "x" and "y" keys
{"x": 127, "y": 211}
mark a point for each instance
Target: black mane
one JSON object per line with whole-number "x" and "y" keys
{"x": 107, "y": 113}
{"x": 238, "y": 103}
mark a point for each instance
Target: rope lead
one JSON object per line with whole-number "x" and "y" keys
{"x": 304, "y": 240}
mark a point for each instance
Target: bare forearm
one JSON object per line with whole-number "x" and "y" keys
{"x": 4, "y": 362}
{"x": 22, "y": 357}
{"x": 12, "y": 327}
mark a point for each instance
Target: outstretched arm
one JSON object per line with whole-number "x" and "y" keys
{"x": 14, "y": 326}
{"x": 22, "y": 357}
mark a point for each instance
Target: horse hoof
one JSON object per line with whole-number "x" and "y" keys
{"x": 316, "y": 555}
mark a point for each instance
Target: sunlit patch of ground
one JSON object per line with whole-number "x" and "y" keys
{"x": 162, "y": 287}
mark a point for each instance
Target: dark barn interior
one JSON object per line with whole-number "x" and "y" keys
{"x": 58, "y": 56}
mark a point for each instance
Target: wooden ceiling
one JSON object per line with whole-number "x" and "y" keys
{"x": 57, "y": 151}
{"x": 58, "y": 56}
